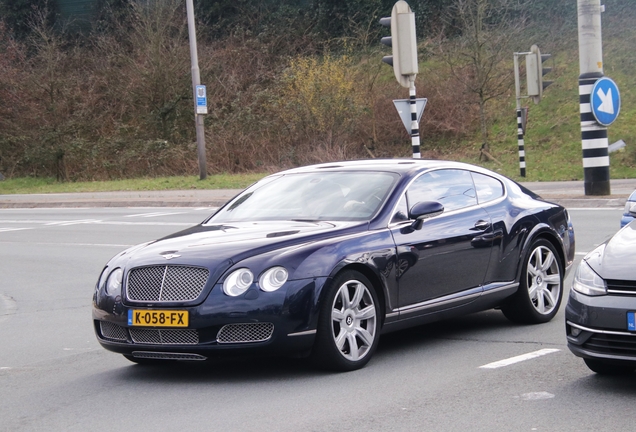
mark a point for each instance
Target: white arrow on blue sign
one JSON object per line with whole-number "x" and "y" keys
{"x": 605, "y": 101}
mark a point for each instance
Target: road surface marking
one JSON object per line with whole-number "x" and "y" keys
{"x": 74, "y": 222}
{"x": 155, "y": 214}
{"x": 517, "y": 359}
{"x": 13, "y": 229}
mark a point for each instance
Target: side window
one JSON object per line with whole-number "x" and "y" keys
{"x": 488, "y": 188}
{"x": 453, "y": 188}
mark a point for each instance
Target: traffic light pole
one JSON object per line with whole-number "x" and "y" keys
{"x": 520, "y": 138}
{"x": 415, "y": 127}
{"x": 403, "y": 44}
{"x": 536, "y": 84}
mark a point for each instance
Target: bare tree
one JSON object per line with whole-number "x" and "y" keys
{"x": 476, "y": 45}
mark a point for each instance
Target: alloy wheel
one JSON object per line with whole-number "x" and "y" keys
{"x": 354, "y": 320}
{"x": 543, "y": 280}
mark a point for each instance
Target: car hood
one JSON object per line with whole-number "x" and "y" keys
{"x": 218, "y": 246}
{"x": 615, "y": 259}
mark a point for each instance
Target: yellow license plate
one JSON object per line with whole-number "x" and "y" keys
{"x": 157, "y": 318}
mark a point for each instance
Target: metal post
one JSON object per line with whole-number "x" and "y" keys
{"x": 520, "y": 142}
{"x": 196, "y": 80}
{"x": 415, "y": 127}
{"x": 593, "y": 135}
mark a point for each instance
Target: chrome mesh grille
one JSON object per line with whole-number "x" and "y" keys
{"x": 112, "y": 331}
{"x": 166, "y": 283}
{"x": 167, "y": 356}
{"x": 247, "y": 332}
{"x": 164, "y": 336}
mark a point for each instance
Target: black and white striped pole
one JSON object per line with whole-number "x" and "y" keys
{"x": 520, "y": 128}
{"x": 415, "y": 127}
{"x": 404, "y": 59}
{"x": 521, "y": 144}
{"x": 593, "y": 134}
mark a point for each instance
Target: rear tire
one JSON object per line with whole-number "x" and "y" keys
{"x": 348, "y": 324}
{"x": 541, "y": 286}
{"x": 604, "y": 368}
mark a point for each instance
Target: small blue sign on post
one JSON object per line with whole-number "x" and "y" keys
{"x": 202, "y": 100}
{"x": 605, "y": 101}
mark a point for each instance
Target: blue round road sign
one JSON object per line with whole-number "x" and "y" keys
{"x": 605, "y": 101}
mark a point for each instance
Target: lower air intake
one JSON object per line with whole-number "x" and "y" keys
{"x": 244, "y": 333}
{"x": 112, "y": 331}
{"x": 167, "y": 356}
{"x": 164, "y": 337}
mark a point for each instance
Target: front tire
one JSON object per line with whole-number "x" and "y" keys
{"x": 540, "y": 288}
{"x": 348, "y": 324}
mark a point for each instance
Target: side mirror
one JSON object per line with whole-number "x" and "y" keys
{"x": 424, "y": 210}
{"x": 632, "y": 210}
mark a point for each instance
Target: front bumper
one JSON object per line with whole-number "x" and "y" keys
{"x": 597, "y": 327}
{"x": 256, "y": 322}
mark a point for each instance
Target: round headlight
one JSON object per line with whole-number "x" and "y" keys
{"x": 238, "y": 282}
{"x": 273, "y": 279}
{"x": 113, "y": 284}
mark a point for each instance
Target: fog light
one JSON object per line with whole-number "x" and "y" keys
{"x": 574, "y": 332}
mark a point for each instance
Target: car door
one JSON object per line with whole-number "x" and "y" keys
{"x": 444, "y": 259}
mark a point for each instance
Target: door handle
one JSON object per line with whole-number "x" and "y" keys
{"x": 482, "y": 225}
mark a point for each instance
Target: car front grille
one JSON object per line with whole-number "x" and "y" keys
{"x": 149, "y": 336}
{"x": 166, "y": 283}
{"x": 621, "y": 287}
{"x": 615, "y": 344}
{"x": 164, "y": 337}
{"x": 244, "y": 333}
{"x": 112, "y": 331}
{"x": 228, "y": 334}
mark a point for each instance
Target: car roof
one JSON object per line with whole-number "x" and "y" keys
{"x": 401, "y": 166}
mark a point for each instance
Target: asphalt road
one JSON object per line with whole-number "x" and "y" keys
{"x": 441, "y": 377}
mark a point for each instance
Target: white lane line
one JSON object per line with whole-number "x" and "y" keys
{"x": 517, "y": 359}
{"x": 536, "y": 396}
{"x": 74, "y": 222}
{"x": 95, "y": 222}
{"x": 155, "y": 214}
{"x": 119, "y": 246}
{"x": 13, "y": 229}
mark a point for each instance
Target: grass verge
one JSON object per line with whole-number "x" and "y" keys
{"x": 50, "y": 185}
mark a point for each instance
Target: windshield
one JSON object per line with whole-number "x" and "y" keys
{"x": 311, "y": 196}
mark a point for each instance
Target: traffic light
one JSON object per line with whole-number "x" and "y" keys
{"x": 535, "y": 72}
{"x": 402, "y": 41}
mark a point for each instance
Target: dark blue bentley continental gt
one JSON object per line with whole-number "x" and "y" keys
{"x": 320, "y": 260}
